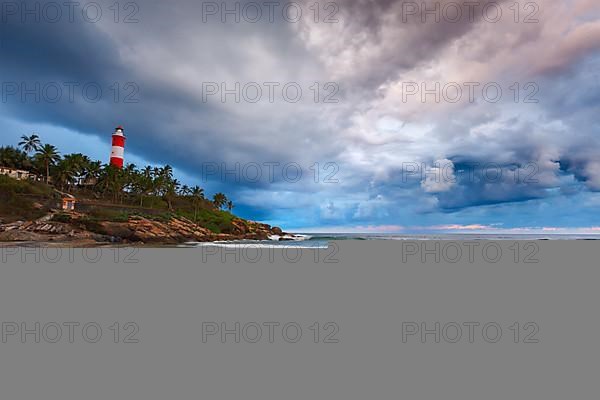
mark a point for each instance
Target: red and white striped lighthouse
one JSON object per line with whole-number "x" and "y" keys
{"x": 118, "y": 148}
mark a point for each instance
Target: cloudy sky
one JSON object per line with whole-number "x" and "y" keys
{"x": 359, "y": 115}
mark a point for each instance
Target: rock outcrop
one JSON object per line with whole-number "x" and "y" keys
{"x": 136, "y": 230}
{"x": 42, "y": 230}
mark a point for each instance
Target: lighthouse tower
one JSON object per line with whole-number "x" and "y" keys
{"x": 118, "y": 148}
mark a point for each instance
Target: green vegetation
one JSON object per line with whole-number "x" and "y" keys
{"x": 61, "y": 217}
{"x": 113, "y": 194}
{"x": 23, "y": 200}
{"x": 215, "y": 220}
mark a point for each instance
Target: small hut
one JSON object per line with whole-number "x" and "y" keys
{"x": 68, "y": 203}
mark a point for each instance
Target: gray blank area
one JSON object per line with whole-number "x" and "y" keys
{"x": 369, "y": 293}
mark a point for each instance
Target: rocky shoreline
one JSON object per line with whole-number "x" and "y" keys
{"x": 136, "y": 231}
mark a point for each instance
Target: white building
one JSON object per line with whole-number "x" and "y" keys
{"x": 17, "y": 173}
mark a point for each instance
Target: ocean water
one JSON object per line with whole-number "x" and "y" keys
{"x": 321, "y": 240}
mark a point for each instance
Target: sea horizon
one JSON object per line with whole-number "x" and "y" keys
{"x": 323, "y": 240}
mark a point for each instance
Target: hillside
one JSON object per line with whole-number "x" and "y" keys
{"x": 24, "y": 200}
{"x": 30, "y": 212}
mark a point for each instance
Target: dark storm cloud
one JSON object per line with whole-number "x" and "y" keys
{"x": 170, "y": 122}
{"x": 481, "y": 182}
{"x": 63, "y": 49}
{"x": 170, "y": 52}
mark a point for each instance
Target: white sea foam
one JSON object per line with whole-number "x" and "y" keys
{"x": 295, "y": 238}
{"x": 261, "y": 245}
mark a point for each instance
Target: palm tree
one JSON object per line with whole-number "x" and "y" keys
{"x": 185, "y": 190}
{"x": 144, "y": 184}
{"x": 176, "y": 186}
{"x": 147, "y": 171}
{"x": 49, "y": 155}
{"x": 141, "y": 185}
{"x": 30, "y": 143}
{"x": 64, "y": 174}
{"x": 92, "y": 172}
{"x": 14, "y": 158}
{"x": 170, "y": 191}
{"x": 197, "y": 191}
{"x": 197, "y": 196}
{"x": 219, "y": 200}
{"x": 7, "y": 158}
{"x": 230, "y": 205}
{"x": 78, "y": 164}
{"x": 167, "y": 172}
{"x": 113, "y": 181}
{"x": 130, "y": 175}
{"x": 162, "y": 178}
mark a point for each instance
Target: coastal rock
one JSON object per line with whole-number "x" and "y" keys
{"x": 20, "y": 236}
{"x": 240, "y": 226}
{"x": 135, "y": 230}
{"x": 176, "y": 230}
{"x": 119, "y": 230}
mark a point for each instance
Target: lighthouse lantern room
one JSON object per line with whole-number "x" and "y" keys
{"x": 118, "y": 148}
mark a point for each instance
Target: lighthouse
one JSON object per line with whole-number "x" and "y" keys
{"x": 118, "y": 148}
